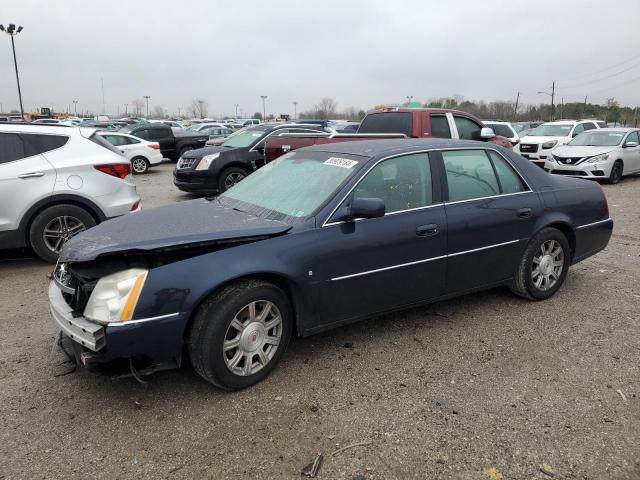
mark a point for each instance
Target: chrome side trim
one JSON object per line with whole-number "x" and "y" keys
{"x": 388, "y": 268}
{"x": 482, "y": 248}
{"x": 594, "y": 223}
{"x": 142, "y": 320}
{"x": 423, "y": 261}
{"x": 486, "y": 198}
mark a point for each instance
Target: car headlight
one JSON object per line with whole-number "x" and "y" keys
{"x": 205, "y": 162}
{"x": 598, "y": 158}
{"x": 115, "y": 296}
{"x": 550, "y": 144}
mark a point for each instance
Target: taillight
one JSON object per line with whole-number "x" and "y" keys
{"x": 604, "y": 194}
{"x": 155, "y": 146}
{"x": 135, "y": 206}
{"x": 120, "y": 170}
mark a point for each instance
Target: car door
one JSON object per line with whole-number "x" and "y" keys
{"x": 373, "y": 265}
{"x": 25, "y": 175}
{"x": 631, "y": 155}
{"x": 465, "y": 128}
{"x": 491, "y": 214}
{"x": 164, "y": 136}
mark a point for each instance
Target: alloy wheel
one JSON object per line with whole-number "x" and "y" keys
{"x": 232, "y": 179}
{"x": 252, "y": 338}
{"x": 139, "y": 165}
{"x": 61, "y": 229}
{"x": 547, "y": 265}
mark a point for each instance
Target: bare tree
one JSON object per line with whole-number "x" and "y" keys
{"x": 257, "y": 115}
{"x": 158, "y": 112}
{"x": 137, "y": 104}
{"x": 198, "y": 108}
{"x": 325, "y": 108}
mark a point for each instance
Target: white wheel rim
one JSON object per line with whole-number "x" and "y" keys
{"x": 547, "y": 265}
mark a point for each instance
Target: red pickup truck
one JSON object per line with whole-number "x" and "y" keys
{"x": 395, "y": 122}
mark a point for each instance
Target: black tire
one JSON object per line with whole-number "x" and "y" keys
{"x": 229, "y": 177}
{"x": 523, "y": 283}
{"x": 136, "y": 165}
{"x": 44, "y": 219}
{"x": 616, "y": 172}
{"x": 210, "y": 328}
{"x": 183, "y": 150}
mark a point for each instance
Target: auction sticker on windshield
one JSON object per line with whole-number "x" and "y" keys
{"x": 341, "y": 162}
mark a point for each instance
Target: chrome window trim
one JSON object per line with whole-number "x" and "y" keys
{"x": 587, "y": 225}
{"x": 431, "y": 259}
{"x": 326, "y": 222}
{"x": 142, "y": 320}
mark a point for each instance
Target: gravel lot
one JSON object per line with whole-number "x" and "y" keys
{"x": 488, "y": 386}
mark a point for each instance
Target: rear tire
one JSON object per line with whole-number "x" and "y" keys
{"x": 616, "y": 172}
{"x": 139, "y": 165}
{"x": 53, "y": 226}
{"x": 233, "y": 348}
{"x": 229, "y": 177}
{"x": 543, "y": 267}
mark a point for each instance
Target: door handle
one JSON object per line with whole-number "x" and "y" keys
{"x": 427, "y": 230}
{"x": 31, "y": 175}
{"x": 524, "y": 213}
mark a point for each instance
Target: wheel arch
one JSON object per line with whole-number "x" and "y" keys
{"x": 93, "y": 209}
{"x": 566, "y": 229}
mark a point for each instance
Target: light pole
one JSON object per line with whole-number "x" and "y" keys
{"x": 264, "y": 109}
{"x": 409, "y": 98}
{"x": 125, "y": 109}
{"x": 12, "y": 31}
{"x": 201, "y": 103}
{"x": 75, "y": 107}
{"x": 295, "y": 110}
{"x": 552, "y": 95}
{"x": 236, "y": 105}
{"x": 147, "y": 97}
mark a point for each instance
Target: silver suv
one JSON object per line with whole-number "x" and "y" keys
{"x": 56, "y": 182}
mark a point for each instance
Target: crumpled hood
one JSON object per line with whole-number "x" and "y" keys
{"x": 580, "y": 151}
{"x": 180, "y": 225}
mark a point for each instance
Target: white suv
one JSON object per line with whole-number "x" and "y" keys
{"x": 56, "y": 182}
{"x": 537, "y": 144}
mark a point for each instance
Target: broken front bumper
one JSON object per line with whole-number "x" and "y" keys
{"x": 88, "y": 334}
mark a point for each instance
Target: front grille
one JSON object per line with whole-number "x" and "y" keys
{"x": 569, "y": 160}
{"x": 569, "y": 172}
{"x": 185, "y": 163}
{"x": 75, "y": 290}
{"x": 529, "y": 147}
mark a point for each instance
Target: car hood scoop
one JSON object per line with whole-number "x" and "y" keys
{"x": 184, "y": 225}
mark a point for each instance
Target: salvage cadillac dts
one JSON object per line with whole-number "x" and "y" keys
{"x": 318, "y": 238}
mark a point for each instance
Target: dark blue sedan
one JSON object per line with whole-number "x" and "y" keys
{"x": 321, "y": 237}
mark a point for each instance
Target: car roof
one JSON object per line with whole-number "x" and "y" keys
{"x": 614, "y": 129}
{"x": 386, "y": 147}
{"x": 40, "y": 128}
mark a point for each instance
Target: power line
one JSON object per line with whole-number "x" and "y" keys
{"x": 572, "y": 87}
{"x": 635, "y": 57}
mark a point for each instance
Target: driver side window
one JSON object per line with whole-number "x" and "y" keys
{"x": 402, "y": 183}
{"x": 579, "y": 129}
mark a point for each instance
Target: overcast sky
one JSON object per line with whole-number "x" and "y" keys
{"x": 360, "y": 53}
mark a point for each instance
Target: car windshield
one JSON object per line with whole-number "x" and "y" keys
{"x": 597, "y": 139}
{"x": 551, "y": 130}
{"x": 244, "y": 138}
{"x": 292, "y": 187}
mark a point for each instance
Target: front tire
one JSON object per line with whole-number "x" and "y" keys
{"x": 139, "y": 165}
{"x": 616, "y": 173}
{"x": 239, "y": 334}
{"x": 52, "y": 227}
{"x": 543, "y": 267}
{"x": 229, "y": 177}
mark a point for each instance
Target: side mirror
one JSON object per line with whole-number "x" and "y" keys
{"x": 630, "y": 144}
{"x": 360, "y": 208}
{"x": 487, "y": 133}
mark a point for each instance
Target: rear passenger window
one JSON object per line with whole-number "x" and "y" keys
{"x": 509, "y": 179}
{"x": 440, "y": 127}
{"x": 589, "y": 126}
{"x": 11, "y": 147}
{"x": 144, "y": 134}
{"x": 35, "y": 144}
{"x": 403, "y": 183}
{"x": 469, "y": 175}
{"x": 467, "y": 129}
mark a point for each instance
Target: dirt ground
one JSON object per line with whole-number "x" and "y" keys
{"x": 488, "y": 386}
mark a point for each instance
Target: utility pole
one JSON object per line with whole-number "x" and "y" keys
{"x": 584, "y": 108}
{"x": 295, "y": 110}
{"x": 201, "y": 102}
{"x": 515, "y": 110}
{"x": 264, "y": 109}
{"x": 12, "y": 31}
{"x": 553, "y": 96}
{"x": 562, "y": 107}
{"x": 147, "y": 97}
{"x": 236, "y": 106}
{"x": 125, "y": 109}
{"x": 75, "y": 107}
